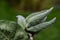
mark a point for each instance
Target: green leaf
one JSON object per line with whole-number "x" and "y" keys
{"x": 44, "y": 19}
{"x": 7, "y": 25}
{"x": 36, "y": 16}
{"x": 41, "y": 26}
{"x": 10, "y": 31}
{"x": 37, "y": 21}
{"x": 3, "y": 36}
{"x": 20, "y": 35}
{"x": 21, "y": 21}
{"x": 33, "y": 14}
{"x": 6, "y": 35}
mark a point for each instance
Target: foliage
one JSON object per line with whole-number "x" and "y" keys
{"x": 10, "y": 30}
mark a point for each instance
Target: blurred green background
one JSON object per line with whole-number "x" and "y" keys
{"x": 10, "y": 8}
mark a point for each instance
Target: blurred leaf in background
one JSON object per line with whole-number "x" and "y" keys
{"x": 6, "y": 12}
{"x": 29, "y": 5}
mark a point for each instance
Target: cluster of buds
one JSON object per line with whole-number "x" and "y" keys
{"x": 35, "y": 21}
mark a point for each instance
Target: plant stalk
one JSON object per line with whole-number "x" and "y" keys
{"x": 31, "y": 37}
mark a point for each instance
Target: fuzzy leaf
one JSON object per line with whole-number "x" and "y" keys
{"x": 37, "y": 21}
{"x": 6, "y": 35}
{"x": 44, "y": 19}
{"x": 33, "y": 14}
{"x": 41, "y": 26}
{"x": 20, "y": 35}
{"x": 7, "y": 25}
{"x": 9, "y": 31}
{"x": 21, "y": 21}
{"x": 36, "y": 16}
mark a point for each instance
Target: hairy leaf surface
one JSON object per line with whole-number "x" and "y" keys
{"x": 41, "y": 26}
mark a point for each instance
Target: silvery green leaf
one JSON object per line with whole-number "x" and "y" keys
{"x": 20, "y": 35}
{"x": 44, "y": 19}
{"x": 36, "y": 16}
{"x": 6, "y": 35}
{"x": 21, "y": 21}
{"x": 7, "y": 25}
{"x": 41, "y": 26}
{"x": 3, "y": 36}
{"x": 33, "y": 14}
{"x": 37, "y": 21}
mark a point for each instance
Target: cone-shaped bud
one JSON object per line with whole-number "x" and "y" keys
{"x": 41, "y": 26}
{"x": 39, "y": 16}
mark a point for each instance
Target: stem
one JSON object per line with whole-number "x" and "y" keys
{"x": 31, "y": 37}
